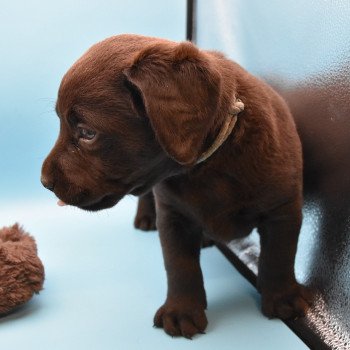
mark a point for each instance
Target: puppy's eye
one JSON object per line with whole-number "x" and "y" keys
{"x": 86, "y": 134}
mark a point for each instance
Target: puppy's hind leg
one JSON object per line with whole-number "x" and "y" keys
{"x": 282, "y": 295}
{"x": 145, "y": 218}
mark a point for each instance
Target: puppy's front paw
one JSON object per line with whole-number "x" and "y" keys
{"x": 181, "y": 319}
{"x": 288, "y": 303}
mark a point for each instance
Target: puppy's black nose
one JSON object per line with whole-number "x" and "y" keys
{"x": 47, "y": 183}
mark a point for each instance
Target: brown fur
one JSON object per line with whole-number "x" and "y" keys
{"x": 21, "y": 271}
{"x": 156, "y": 106}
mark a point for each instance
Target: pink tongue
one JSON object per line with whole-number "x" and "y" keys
{"x": 61, "y": 203}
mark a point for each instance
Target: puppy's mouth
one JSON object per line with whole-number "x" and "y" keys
{"x": 105, "y": 202}
{"x": 88, "y": 202}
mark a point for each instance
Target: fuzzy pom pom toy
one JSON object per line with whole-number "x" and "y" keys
{"x": 21, "y": 270}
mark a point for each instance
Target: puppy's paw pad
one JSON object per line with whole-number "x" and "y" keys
{"x": 287, "y": 304}
{"x": 145, "y": 222}
{"x": 178, "y": 321}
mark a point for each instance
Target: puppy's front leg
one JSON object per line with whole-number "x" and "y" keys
{"x": 282, "y": 296}
{"x": 183, "y": 311}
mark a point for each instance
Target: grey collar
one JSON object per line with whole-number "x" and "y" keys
{"x": 226, "y": 129}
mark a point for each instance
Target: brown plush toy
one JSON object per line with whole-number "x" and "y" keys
{"x": 21, "y": 270}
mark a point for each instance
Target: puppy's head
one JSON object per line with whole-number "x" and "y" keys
{"x": 132, "y": 110}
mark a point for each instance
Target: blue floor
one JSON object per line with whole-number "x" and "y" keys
{"x": 104, "y": 280}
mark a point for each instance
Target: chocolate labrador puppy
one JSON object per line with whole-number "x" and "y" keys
{"x": 218, "y": 147}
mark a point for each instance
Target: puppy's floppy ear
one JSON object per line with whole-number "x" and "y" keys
{"x": 180, "y": 94}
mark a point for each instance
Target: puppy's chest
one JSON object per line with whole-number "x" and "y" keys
{"x": 217, "y": 204}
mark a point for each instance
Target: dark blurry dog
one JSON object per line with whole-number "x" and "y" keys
{"x": 138, "y": 113}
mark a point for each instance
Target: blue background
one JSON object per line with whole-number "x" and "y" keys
{"x": 104, "y": 280}
{"x": 39, "y": 41}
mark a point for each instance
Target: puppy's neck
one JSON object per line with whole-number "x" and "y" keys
{"x": 226, "y": 129}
